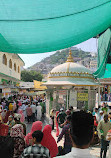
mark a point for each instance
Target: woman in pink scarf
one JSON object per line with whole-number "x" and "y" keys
{"x": 35, "y": 126}
{"x": 49, "y": 142}
{"x": 22, "y": 115}
{"x": 19, "y": 103}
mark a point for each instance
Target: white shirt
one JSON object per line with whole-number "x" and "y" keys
{"x": 33, "y": 108}
{"x": 39, "y": 108}
{"x": 77, "y": 153}
{"x": 100, "y": 118}
{"x": 23, "y": 107}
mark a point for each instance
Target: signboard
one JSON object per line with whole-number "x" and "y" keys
{"x": 82, "y": 96}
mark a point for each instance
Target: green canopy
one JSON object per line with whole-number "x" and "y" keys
{"x": 104, "y": 55}
{"x": 37, "y": 26}
{"x": 107, "y": 73}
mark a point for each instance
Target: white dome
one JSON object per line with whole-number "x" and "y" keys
{"x": 70, "y": 73}
{"x": 70, "y": 67}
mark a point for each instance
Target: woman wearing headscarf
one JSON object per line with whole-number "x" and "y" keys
{"x": 18, "y": 136}
{"x": 6, "y": 116}
{"x": 22, "y": 115}
{"x": 10, "y": 122}
{"x": 3, "y": 129}
{"x": 10, "y": 107}
{"x": 49, "y": 142}
{"x": 17, "y": 121}
{"x": 35, "y": 126}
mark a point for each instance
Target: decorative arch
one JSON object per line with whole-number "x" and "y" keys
{"x": 15, "y": 66}
{"x": 10, "y": 63}
{"x": 18, "y": 69}
{"x": 4, "y": 59}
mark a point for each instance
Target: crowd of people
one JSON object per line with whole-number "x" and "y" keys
{"x": 105, "y": 96}
{"x": 102, "y": 124}
{"x": 75, "y": 126}
{"x": 39, "y": 142}
{"x": 15, "y": 112}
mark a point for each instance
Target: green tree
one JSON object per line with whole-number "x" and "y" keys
{"x": 29, "y": 76}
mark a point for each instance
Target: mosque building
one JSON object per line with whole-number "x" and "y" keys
{"x": 70, "y": 84}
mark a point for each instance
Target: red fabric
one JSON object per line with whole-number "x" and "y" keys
{"x": 4, "y": 130}
{"x": 22, "y": 119}
{"x": 57, "y": 127}
{"x": 109, "y": 131}
{"x": 19, "y": 103}
{"x": 95, "y": 123}
{"x": 6, "y": 117}
{"x": 49, "y": 142}
{"x": 35, "y": 126}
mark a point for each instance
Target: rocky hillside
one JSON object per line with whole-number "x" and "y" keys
{"x": 47, "y": 64}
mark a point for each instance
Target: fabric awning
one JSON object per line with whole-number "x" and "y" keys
{"x": 40, "y": 26}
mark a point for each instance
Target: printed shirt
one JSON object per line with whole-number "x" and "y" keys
{"x": 65, "y": 132}
{"x": 19, "y": 146}
{"x": 35, "y": 151}
{"x": 29, "y": 111}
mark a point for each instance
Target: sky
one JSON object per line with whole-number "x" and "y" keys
{"x": 30, "y": 59}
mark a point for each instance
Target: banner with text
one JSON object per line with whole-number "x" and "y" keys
{"x": 82, "y": 96}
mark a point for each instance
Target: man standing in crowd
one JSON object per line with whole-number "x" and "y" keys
{"x": 39, "y": 112}
{"x": 103, "y": 127}
{"x": 29, "y": 113}
{"x": 33, "y": 106}
{"x": 37, "y": 150}
{"x": 82, "y": 124}
{"x": 23, "y": 107}
{"x": 65, "y": 133}
{"x": 100, "y": 116}
{"x": 61, "y": 118}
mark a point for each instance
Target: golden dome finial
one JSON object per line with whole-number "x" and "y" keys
{"x": 70, "y": 58}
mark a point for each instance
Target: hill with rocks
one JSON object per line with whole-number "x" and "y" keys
{"x": 47, "y": 64}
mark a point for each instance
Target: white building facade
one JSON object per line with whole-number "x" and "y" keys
{"x": 10, "y": 72}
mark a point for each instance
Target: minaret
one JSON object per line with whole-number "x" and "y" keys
{"x": 70, "y": 58}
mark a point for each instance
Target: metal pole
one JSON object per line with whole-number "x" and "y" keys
{"x": 99, "y": 95}
{"x": 67, "y": 99}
